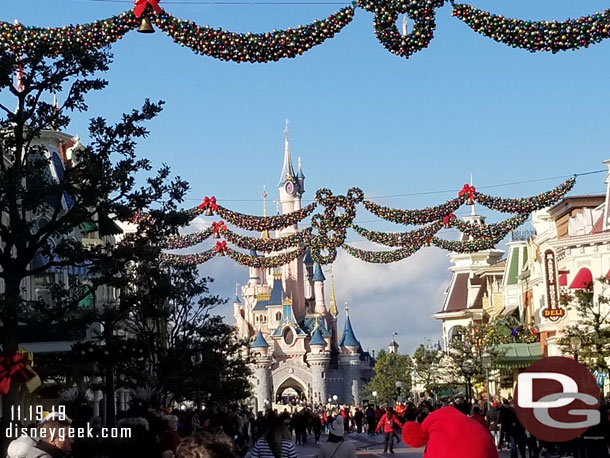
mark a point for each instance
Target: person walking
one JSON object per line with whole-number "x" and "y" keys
{"x": 493, "y": 418}
{"x": 370, "y": 419}
{"x": 276, "y": 442}
{"x": 358, "y": 417}
{"x": 387, "y": 422}
{"x": 337, "y": 446}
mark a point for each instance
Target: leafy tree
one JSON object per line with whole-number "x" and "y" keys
{"x": 389, "y": 369}
{"x": 425, "y": 365}
{"x": 592, "y": 326}
{"x": 191, "y": 353}
{"x": 41, "y": 214}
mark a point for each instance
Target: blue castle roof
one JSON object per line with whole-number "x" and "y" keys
{"x": 288, "y": 318}
{"x": 275, "y": 299}
{"x": 318, "y": 275}
{"x": 259, "y": 341}
{"x": 348, "y": 339}
{"x": 317, "y": 338}
{"x": 308, "y": 259}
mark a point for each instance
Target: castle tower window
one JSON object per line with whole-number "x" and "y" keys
{"x": 278, "y": 316}
{"x": 288, "y": 336}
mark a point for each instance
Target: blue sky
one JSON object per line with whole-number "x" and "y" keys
{"x": 360, "y": 116}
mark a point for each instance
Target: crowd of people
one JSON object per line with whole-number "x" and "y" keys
{"x": 238, "y": 432}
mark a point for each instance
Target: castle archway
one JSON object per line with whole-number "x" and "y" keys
{"x": 290, "y": 392}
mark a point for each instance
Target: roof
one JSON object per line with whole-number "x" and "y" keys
{"x": 582, "y": 280}
{"x": 513, "y": 269}
{"x": 318, "y": 275}
{"x": 288, "y": 318}
{"x": 317, "y": 338}
{"x": 259, "y": 341}
{"x": 308, "y": 259}
{"x": 287, "y": 168}
{"x": 312, "y": 322}
{"x": 598, "y": 227}
{"x": 108, "y": 226}
{"x": 567, "y": 204}
{"x": 518, "y": 355}
{"x": 458, "y": 293}
{"x": 253, "y": 253}
{"x": 274, "y": 299}
{"x": 348, "y": 339}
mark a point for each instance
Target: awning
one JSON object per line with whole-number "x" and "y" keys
{"x": 88, "y": 227}
{"x": 582, "y": 280}
{"x": 510, "y": 309}
{"x": 563, "y": 279}
{"x": 518, "y": 355}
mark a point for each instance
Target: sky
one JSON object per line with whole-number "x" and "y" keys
{"x": 359, "y": 116}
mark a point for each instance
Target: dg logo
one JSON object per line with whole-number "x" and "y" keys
{"x": 557, "y": 399}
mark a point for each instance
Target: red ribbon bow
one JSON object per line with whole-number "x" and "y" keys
{"x": 219, "y": 226}
{"x": 142, "y": 4}
{"x": 467, "y": 190}
{"x": 447, "y": 219}
{"x": 8, "y": 368}
{"x": 208, "y": 202}
{"x": 221, "y": 247}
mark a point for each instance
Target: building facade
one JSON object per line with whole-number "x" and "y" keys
{"x": 292, "y": 328}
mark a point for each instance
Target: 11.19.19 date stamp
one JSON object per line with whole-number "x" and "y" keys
{"x": 37, "y": 413}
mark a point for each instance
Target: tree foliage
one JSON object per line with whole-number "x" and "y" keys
{"x": 389, "y": 369}
{"x": 592, "y": 326}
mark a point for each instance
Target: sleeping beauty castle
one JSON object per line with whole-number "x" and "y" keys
{"x": 298, "y": 354}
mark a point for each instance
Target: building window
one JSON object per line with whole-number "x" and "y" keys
{"x": 278, "y": 316}
{"x": 257, "y": 318}
{"x": 289, "y": 336}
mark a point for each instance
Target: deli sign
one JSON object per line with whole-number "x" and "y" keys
{"x": 553, "y": 311}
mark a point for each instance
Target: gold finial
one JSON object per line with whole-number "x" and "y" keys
{"x": 346, "y": 309}
{"x": 333, "y": 310}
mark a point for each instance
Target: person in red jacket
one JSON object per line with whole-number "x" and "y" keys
{"x": 447, "y": 432}
{"x": 388, "y": 420}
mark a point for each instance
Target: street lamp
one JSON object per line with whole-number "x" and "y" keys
{"x": 468, "y": 370}
{"x": 398, "y": 386}
{"x": 486, "y": 363}
{"x": 575, "y": 345}
{"x": 374, "y": 393}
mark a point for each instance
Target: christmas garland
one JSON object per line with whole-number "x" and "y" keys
{"x": 386, "y": 13}
{"x": 339, "y": 214}
{"x": 400, "y": 239}
{"x": 526, "y": 204}
{"x": 20, "y": 39}
{"x": 251, "y": 222}
{"x": 183, "y": 259}
{"x": 253, "y": 47}
{"x": 269, "y": 245}
{"x": 500, "y": 229}
{"x": 537, "y": 36}
{"x": 469, "y": 246}
{"x": 272, "y": 46}
{"x": 265, "y": 262}
{"x": 175, "y": 242}
{"x": 422, "y": 216}
{"x": 380, "y": 257}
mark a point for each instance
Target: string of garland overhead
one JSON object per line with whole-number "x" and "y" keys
{"x": 328, "y": 231}
{"x": 272, "y": 46}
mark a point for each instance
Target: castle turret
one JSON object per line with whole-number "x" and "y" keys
{"x": 349, "y": 360}
{"x": 237, "y": 307}
{"x": 308, "y": 261}
{"x": 393, "y": 347}
{"x": 318, "y": 285}
{"x": 259, "y": 349}
{"x": 318, "y": 361}
{"x": 300, "y": 177}
{"x": 333, "y": 311}
{"x": 254, "y": 272}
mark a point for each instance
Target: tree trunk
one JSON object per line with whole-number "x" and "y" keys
{"x": 110, "y": 408}
{"x": 10, "y": 345}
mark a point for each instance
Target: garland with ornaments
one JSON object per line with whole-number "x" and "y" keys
{"x": 272, "y": 46}
{"x": 328, "y": 231}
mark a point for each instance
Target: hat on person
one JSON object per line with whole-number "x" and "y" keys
{"x": 336, "y": 428}
{"x": 448, "y": 432}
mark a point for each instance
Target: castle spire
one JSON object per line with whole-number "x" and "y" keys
{"x": 287, "y": 169}
{"x": 265, "y": 234}
{"x": 348, "y": 339}
{"x": 332, "y": 305}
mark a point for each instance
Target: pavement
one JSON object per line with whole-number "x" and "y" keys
{"x": 370, "y": 447}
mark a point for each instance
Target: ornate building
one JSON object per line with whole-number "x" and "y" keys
{"x": 292, "y": 329}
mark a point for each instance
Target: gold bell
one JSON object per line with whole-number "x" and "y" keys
{"x": 221, "y": 253}
{"x": 470, "y": 201}
{"x": 209, "y": 212}
{"x": 216, "y": 235}
{"x": 146, "y": 26}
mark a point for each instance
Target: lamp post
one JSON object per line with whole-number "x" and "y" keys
{"x": 486, "y": 363}
{"x": 575, "y": 345}
{"x": 374, "y": 393}
{"x": 468, "y": 370}
{"x": 398, "y": 386}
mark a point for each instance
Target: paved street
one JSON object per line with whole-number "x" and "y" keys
{"x": 372, "y": 447}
